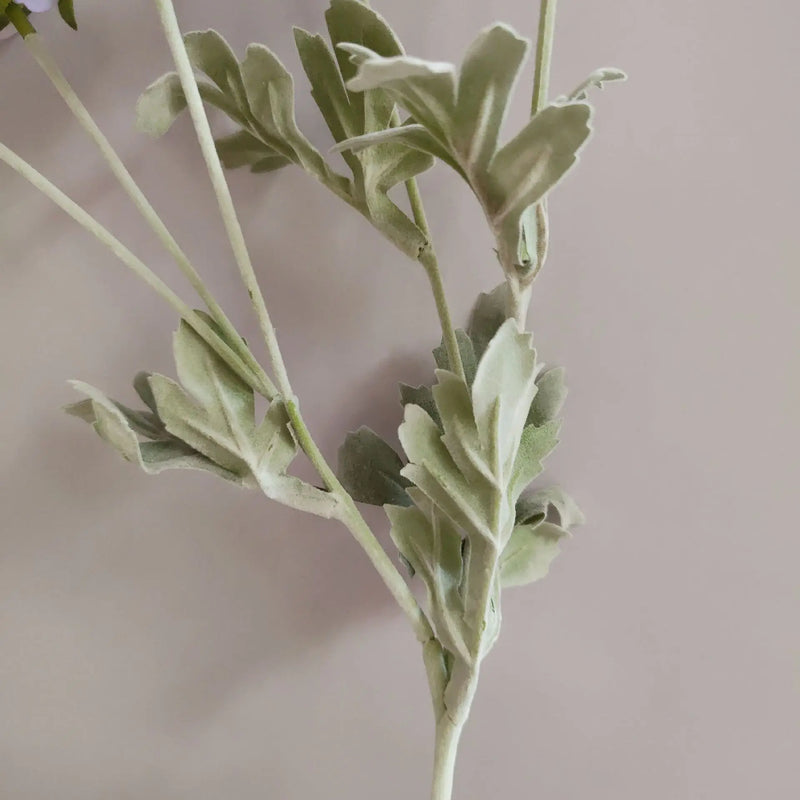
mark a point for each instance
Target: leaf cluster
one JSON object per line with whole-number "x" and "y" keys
{"x": 205, "y": 422}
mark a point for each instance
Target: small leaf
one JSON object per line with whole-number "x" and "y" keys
{"x": 487, "y": 77}
{"x": 505, "y": 384}
{"x": 536, "y": 444}
{"x": 141, "y": 384}
{"x": 67, "y": 10}
{"x": 370, "y": 470}
{"x": 160, "y": 105}
{"x": 213, "y": 56}
{"x": 467, "y": 352}
{"x": 242, "y": 149}
{"x": 596, "y": 80}
{"x": 529, "y": 553}
{"x": 421, "y": 396}
{"x": 534, "y": 507}
{"x": 426, "y": 89}
{"x": 488, "y": 314}
{"x": 550, "y": 395}
{"x": 531, "y": 164}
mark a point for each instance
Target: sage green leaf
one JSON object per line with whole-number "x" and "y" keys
{"x": 504, "y": 387}
{"x": 523, "y": 171}
{"x": 270, "y": 95}
{"x": 213, "y": 56}
{"x": 369, "y": 469}
{"x": 467, "y": 352}
{"x": 172, "y": 454}
{"x": 596, "y": 80}
{"x": 164, "y": 100}
{"x": 536, "y": 444}
{"x": 83, "y": 409}
{"x": 160, "y": 105}
{"x": 421, "y": 396}
{"x": 141, "y": 384}
{"x": 353, "y": 21}
{"x": 431, "y": 546}
{"x": 550, "y": 395}
{"x": 66, "y": 9}
{"x": 426, "y": 89}
{"x": 486, "y": 317}
{"x": 486, "y": 79}
{"x": 529, "y": 553}
{"x": 534, "y": 508}
{"x": 327, "y": 86}
{"x": 242, "y": 149}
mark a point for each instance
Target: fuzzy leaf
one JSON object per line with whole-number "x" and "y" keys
{"x": 488, "y": 314}
{"x": 529, "y": 553}
{"x": 504, "y": 387}
{"x": 536, "y": 444}
{"x": 467, "y": 352}
{"x": 486, "y": 80}
{"x": 213, "y": 56}
{"x": 531, "y": 164}
{"x": 370, "y": 470}
{"x": 596, "y": 80}
{"x": 534, "y": 508}
{"x": 550, "y": 395}
{"x": 421, "y": 396}
{"x": 242, "y": 149}
{"x": 426, "y": 89}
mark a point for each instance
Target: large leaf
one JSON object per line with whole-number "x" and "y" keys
{"x": 550, "y": 395}
{"x": 370, "y": 470}
{"x": 213, "y": 56}
{"x": 485, "y": 83}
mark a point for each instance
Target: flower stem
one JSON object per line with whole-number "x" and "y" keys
{"x": 172, "y": 31}
{"x": 19, "y": 19}
{"x": 431, "y": 264}
{"x": 544, "y": 54}
{"x": 44, "y": 58}
{"x": 136, "y": 265}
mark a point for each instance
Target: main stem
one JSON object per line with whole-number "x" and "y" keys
{"x": 45, "y": 60}
{"x": 448, "y": 735}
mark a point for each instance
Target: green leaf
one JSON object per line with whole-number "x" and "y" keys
{"x": 67, "y": 10}
{"x": 596, "y": 80}
{"x": 164, "y": 100}
{"x": 550, "y": 395}
{"x": 529, "y": 553}
{"x": 327, "y": 86}
{"x": 213, "y": 56}
{"x": 242, "y": 149}
{"x": 370, "y": 470}
{"x": 467, "y": 351}
{"x": 421, "y": 396}
{"x": 536, "y": 444}
{"x": 535, "y": 507}
{"x": 504, "y": 387}
{"x": 486, "y": 317}
{"x": 141, "y": 384}
{"x": 531, "y": 164}
{"x": 426, "y": 89}
{"x": 487, "y": 77}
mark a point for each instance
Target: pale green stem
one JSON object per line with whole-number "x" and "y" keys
{"x": 44, "y": 58}
{"x": 430, "y": 263}
{"x": 544, "y": 55}
{"x": 209, "y": 150}
{"x": 350, "y": 514}
{"x": 131, "y": 261}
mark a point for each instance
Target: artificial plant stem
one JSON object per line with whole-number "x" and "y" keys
{"x": 137, "y": 266}
{"x": 169, "y": 22}
{"x": 44, "y": 58}
{"x": 544, "y": 53}
{"x": 429, "y": 261}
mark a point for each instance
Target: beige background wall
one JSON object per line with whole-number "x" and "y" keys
{"x": 174, "y": 639}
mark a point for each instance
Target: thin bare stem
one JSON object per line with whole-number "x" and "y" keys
{"x": 431, "y": 264}
{"x": 136, "y": 265}
{"x": 44, "y": 58}
{"x": 544, "y": 54}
